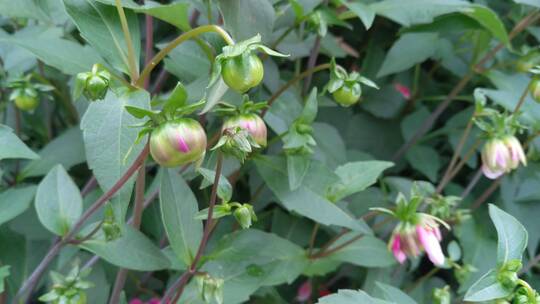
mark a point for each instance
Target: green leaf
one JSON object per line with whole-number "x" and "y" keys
{"x": 310, "y": 108}
{"x": 224, "y": 190}
{"x": 486, "y": 288}
{"x": 100, "y": 25}
{"x": 4, "y": 273}
{"x": 214, "y": 93}
{"x": 133, "y": 250}
{"x": 512, "y": 236}
{"x": 303, "y": 200}
{"x": 58, "y": 201}
{"x": 15, "y": 201}
{"x": 363, "y": 11}
{"x": 347, "y": 296}
{"x": 108, "y": 136}
{"x": 65, "y": 55}
{"x": 356, "y": 177}
{"x": 426, "y": 160}
{"x": 528, "y": 2}
{"x": 489, "y": 20}
{"x": 140, "y": 113}
{"x": 367, "y": 251}
{"x": 297, "y": 168}
{"x": 394, "y": 294}
{"x": 55, "y": 153}
{"x": 416, "y": 11}
{"x": 187, "y": 62}
{"x": 246, "y": 18}
{"x": 12, "y": 147}
{"x": 408, "y": 50}
{"x": 175, "y": 13}
{"x": 249, "y": 259}
{"x": 178, "y": 210}
{"x": 177, "y": 99}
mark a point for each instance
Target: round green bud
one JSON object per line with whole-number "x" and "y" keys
{"x": 243, "y": 216}
{"x": 243, "y": 72}
{"x": 178, "y": 142}
{"x": 348, "y": 94}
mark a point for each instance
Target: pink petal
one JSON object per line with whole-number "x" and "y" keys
{"x": 396, "y": 250}
{"x": 491, "y": 174}
{"x": 405, "y": 91}
{"x": 304, "y": 292}
{"x": 431, "y": 245}
{"x": 154, "y": 301}
{"x": 136, "y": 301}
{"x": 182, "y": 145}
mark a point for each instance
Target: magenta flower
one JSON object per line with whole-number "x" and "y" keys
{"x": 410, "y": 241}
{"x": 136, "y": 301}
{"x": 304, "y": 292}
{"x": 403, "y": 90}
{"x": 501, "y": 156}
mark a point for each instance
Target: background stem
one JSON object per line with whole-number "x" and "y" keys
{"x": 132, "y": 60}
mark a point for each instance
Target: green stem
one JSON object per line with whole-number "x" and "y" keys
{"x": 179, "y": 40}
{"x": 132, "y": 61}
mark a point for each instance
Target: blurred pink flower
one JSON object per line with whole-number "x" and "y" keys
{"x": 304, "y": 292}
{"x": 136, "y": 301}
{"x": 405, "y": 91}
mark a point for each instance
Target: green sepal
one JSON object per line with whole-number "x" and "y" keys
{"x": 141, "y": 113}
{"x": 186, "y": 110}
{"x": 177, "y": 99}
{"x": 220, "y": 211}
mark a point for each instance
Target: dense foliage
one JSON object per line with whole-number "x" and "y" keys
{"x": 269, "y": 151}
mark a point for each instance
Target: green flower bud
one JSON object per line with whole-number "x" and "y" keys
{"x": 178, "y": 142}
{"x": 348, "y": 94}
{"x": 94, "y": 84}
{"x": 527, "y": 62}
{"x": 521, "y": 299}
{"x": 26, "y": 98}
{"x": 534, "y": 88}
{"x": 244, "y": 215}
{"x": 210, "y": 288}
{"x": 252, "y": 123}
{"x": 442, "y": 295}
{"x": 242, "y": 72}
{"x": 508, "y": 279}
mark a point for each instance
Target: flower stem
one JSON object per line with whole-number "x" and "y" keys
{"x": 178, "y": 287}
{"x": 132, "y": 61}
{"x": 179, "y": 40}
{"x": 522, "y": 98}
{"x": 293, "y": 81}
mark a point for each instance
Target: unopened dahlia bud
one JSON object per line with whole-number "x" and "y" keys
{"x": 94, "y": 84}
{"x": 534, "y": 88}
{"x": 348, "y": 94}
{"x": 409, "y": 241}
{"x": 25, "y": 99}
{"x": 210, "y": 288}
{"x": 442, "y": 295}
{"x": 178, "y": 142}
{"x": 245, "y": 215}
{"x": 251, "y": 123}
{"x": 501, "y": 156}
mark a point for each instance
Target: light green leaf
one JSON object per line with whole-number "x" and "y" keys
{"x": 347, "y": 296}
{"x": 297, "y": 168}
{"x": 486, "y": 288}
{"x": 367, "y": 251}
{"x": 108, "y": 136}
{"x": 100, "y": 25}
{"x": 512, "y": 236}
{"x": 187, "y": 61}
{"x": 394, "y": 294}
{"x": 303, "y": 200}
{"x": 246, "y": 18}
{"x": 15, "y": 201}
{"x": 416, "y": 11}
{"x": 67, "y": 150}
{"x": 408, "y": 50}
{"x": 356, "y": 177}
{"x": 12, "y": 147}
{"x": 133, "y": 250}
{"x": 363, "y": 11}
{"x": 489, "y": 20}
{"x": 175, "y": 13}
{"x": 309, "y": 113}
{"x": 178, "y": 210}
{"x": 224, "y": 190}
{"x": 58, "y": 201}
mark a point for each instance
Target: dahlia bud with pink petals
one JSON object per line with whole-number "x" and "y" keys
{"x": 403, "y": 90}
{"x": 178, "y": 142}
{"x": 410, "y": 241}
{"x": 252, "y": 123}
{"x": 501, "y": 156}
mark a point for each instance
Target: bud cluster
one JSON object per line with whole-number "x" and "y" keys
{"x": 68, "y": 289}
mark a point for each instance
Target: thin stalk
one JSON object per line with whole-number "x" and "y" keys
{"x": 180, "y": 39}
{"x": 178, "y": 287}
{"x": 293, "y": 81}
{"x": 312, "y": 60}
{"x": 472, "y": 183}
{"x": 148, "y": 49}
{"x": 132, "y": 60}
{"x": 522, "y": 98}
{"x": 487, "y": 193}
{"x": 138, "y": 208}
{"x": 313, "y": 238}
{"x": 29, "y": 285}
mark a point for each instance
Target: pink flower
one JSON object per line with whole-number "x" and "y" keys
{"x": 501, "y": 156}
{"x": 304, "y": 292}
{"x": 410, "y": 240}
{"x": 154, "y": 301}
{"x": 405, "y": 91}
{"x": 136, "y": 301}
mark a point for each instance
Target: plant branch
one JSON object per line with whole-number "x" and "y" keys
{"x": 132, "y": 60}
{"x": 179, "y": 285}
{"x": 479, "y": 67}
{"x": 314, "y": 53}
{"x": 29, "y": 285}
{"x": 148, "y": 49}
{"x": 293, "y": 81}
{"x": 179, "y": 40}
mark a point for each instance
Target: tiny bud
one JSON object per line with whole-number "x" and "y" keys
{"x": 245, "y": 215}
{"x": 442, "y": 295}
{"x": 94, "y": 84}
{"x": 348, "y": 94}
{"x": 508, "y": 279}
{"x": 210, "y": 288}
{"x": 252, "y": 123}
